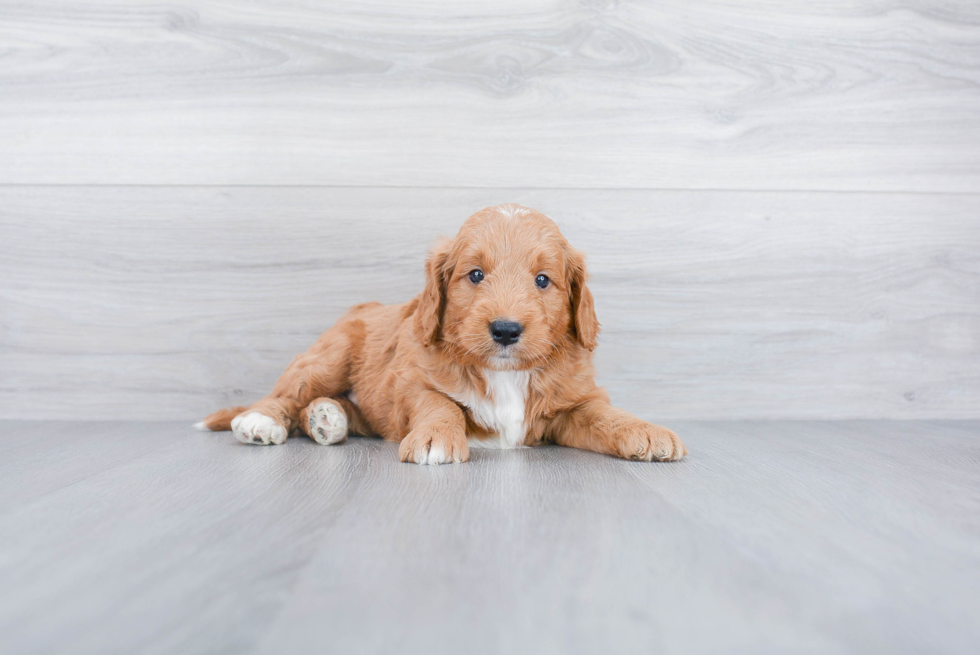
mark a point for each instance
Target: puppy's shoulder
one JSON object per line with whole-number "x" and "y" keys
{"x": 363, "y": 308}
{"x": 377, "y": 319}
{"x": 366, "y": 318}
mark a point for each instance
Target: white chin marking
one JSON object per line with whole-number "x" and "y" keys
{"x": 256, "y": 428}
{"x": 503, "y": 363}
{"x": 328, "y": 424}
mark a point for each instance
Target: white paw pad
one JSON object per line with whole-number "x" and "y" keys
{"x": 431, "y": 455}
{"x": 328, "y": 424}
{"x": 256, "y": 428}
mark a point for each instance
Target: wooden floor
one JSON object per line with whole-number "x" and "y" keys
{"x": 781, "y": 537}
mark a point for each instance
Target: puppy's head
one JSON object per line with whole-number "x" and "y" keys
{"x": 506, "y": 292}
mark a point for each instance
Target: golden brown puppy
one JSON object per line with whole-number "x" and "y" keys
{"x": 496, "y": 351}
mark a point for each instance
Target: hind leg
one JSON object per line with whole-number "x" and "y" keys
{"x": 324, "y": 421}
{"x": 255, "y": 427}
{"x": 321, "y": 372}
{"x": 329, "y": 420}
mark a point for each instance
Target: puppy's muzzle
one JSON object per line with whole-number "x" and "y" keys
{"x": 506, "y": 332}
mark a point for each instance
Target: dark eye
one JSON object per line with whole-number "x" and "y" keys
{"x": 542, "y": 281}
{"x": 476, "y": 276}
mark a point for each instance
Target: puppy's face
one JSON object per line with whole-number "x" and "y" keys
{"x": 507, "y": 292}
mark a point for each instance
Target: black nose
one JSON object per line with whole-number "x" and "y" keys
{"x": 506, "y": 332}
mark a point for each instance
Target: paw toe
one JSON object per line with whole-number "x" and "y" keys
{"x": 424, "y": 450}
{"x": 327, "y": 424}
{"x": 654, "y": 443}
{"x": 255, "y": 428}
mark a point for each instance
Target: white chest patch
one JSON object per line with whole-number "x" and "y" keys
{"x": 502, "y": 409}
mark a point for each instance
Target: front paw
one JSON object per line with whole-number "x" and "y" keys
{"x": 429, "y": 446}
{"x": 252, "y": 427}
{"x": 646, "y": 441}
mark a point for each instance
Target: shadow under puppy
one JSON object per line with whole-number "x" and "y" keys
{"x": 496, "y": 351}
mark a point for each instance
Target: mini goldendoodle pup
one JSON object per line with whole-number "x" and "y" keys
{"x": 496, "y": 351}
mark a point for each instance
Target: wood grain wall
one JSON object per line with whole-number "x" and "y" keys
{"x": 780, "y": 200}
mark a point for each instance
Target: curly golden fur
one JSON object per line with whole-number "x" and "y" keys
{"x": 431, "y": 375}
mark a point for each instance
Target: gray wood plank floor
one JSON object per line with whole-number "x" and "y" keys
{"x": 773, "y": 537}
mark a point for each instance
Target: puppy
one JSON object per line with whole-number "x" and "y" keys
{"x": 496, "y": 351}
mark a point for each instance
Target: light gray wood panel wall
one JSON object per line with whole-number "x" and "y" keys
{"x": 855, "y": 298}
{"x": 867, "y": 95}
{"x": 170, "y": 302}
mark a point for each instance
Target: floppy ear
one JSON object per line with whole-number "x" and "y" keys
{"x": 432, "y": 302}
{"x": 584, "y": 320}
